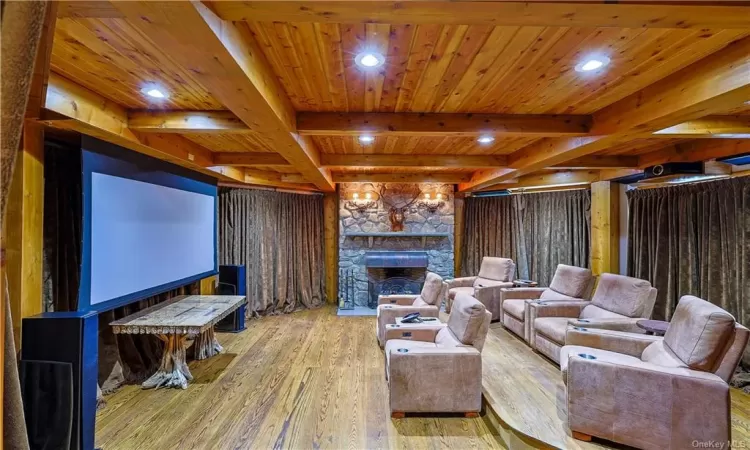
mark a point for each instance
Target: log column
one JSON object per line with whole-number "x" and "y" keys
{"x": 331, "y": 226}
{"x": 605, "y": 227}
{"x": 458, "y": 233}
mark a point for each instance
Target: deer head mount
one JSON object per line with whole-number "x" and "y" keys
{"x": 398, "y": 197}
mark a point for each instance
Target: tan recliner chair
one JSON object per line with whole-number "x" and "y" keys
{"x": 569, "y": 283}
{"x": 438, "y": 368}
{"x": 653, "y": 392}
{"x": 494, "y": 274}
{"x": 427, "y": 304}
{"x": 618, "y": 303}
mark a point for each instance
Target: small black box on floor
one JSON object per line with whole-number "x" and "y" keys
{"x": 232, "y": 282}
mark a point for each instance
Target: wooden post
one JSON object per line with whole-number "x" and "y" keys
{"x": 208, "y": 285}
{"x": 24, "y": 229}
{"x": 605, "y": 224}
{"x": 331, "y": 225}
{"x": 458, "y": 233}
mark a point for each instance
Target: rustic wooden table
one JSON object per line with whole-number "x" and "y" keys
{"x": 173, "y": 322}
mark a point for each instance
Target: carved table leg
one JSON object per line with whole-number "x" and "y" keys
{"x": 206, "y": 345}
{"x": 173, "y": 371}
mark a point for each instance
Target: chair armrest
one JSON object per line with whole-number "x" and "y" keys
{"x": 458, "y": 369}
{"x": 625, "y": 324}
{"x": 679, "y": 405}
{"x": 522, "y": 293}
{"x": 404, "y": 300}
{"x": 556, "y": 308}
{"x": 613, "y": 341}
{"x": 387, "y": 315}
{"x": 461, "y": 282}
{"x": 413, "y": 332}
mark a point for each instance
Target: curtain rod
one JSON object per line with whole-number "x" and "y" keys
{"x": 268, "y": 188}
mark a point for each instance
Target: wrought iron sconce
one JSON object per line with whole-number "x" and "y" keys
{"x": 430, "y": 203}
{"x": 362, "y": 204}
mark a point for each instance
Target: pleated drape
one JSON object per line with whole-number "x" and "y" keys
{"x": 538, "y": 231}
{"x": 693, "y": 239}
{"x": 278, "y": 236}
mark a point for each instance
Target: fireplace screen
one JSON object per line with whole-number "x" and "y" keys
{"x": 393, "y": 280}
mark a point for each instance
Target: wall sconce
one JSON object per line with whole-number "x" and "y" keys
{"x": 430, "y": 203}
{"x": 362, "y": 204}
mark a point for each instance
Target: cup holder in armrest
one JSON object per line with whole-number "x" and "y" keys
{"x": 586, "y": 356}
{"x": 403, "y": 350}
{"x": 386, "y": 306}
{"x": 580, "y": 329}
{"x": 584, "y": 320}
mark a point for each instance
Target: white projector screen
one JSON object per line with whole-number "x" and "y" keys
{"x": 146, "y": 235}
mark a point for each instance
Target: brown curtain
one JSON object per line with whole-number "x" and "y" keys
{"x": 538, "y": 231}
{"x": 21, "y": 30}
{"x": 693, "y": 239}
{"x": 278, "y": 236}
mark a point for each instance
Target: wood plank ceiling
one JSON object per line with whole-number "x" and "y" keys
{"x": 516, "y": 69}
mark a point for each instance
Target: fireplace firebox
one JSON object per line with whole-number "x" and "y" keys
{"x": 394, "y": 272}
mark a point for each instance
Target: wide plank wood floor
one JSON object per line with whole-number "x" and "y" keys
{"x": 307, "y": 380}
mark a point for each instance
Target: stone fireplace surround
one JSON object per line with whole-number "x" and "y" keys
{"x": 353, "y": 249}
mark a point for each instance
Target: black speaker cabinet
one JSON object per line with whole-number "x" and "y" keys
{"x": 232, "y": 282}
{"x": 68, "y": 337}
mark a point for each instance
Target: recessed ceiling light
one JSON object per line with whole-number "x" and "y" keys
{"x": 592, "y": 64}
{"x": 747, "y": 102}
{"x": 486, "y": 139}
{"x": 369, "y": 60}
{"x": 365, "y": 139}
{"x": 154, "y": 92}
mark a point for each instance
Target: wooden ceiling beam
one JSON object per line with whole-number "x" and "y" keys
{"x": 440, "y": 124}
{"x": 726, "y": 127}
{"x": 422, "y": 177}
{"x": 249, "y": 159}
{"x": 600, "y": 162}
{"x": 492, "y": 13}
{"x": 186, "y": 122}
{"x": 81, "y": 110}
{"x": 716, "y": 83}
{"x": 698, "y": 150}
{"x": 405, "y": 160}
{"x": 560, "y": 178}
{"x": 229, "y": 64}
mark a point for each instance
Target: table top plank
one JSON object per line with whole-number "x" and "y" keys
{"x": 184, "y": 314}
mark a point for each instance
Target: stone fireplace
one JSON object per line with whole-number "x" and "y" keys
{"x": 374, "y": 260}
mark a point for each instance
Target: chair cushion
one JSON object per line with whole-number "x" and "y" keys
{"x": 549, "y": 294}
{"x": 445, "y": 338}
{"x": 395, "y": 344}
{"x": 659, "y": 354}
{"x": 595, "y": 312}
{"x": 515, "y": 308}
{"x": 613, "y": 357}
{"x": 466, "y": 318}
{"x": 419, "y": 302}
{"x": 433, "y": 284}
{"x": 464, "y": 290}
{"x": 571, "y": 281}
{"x": 699, "y": 333}
{"x": 553, "y": 328}
{"x": 498, "y": 269}
{"x": 623, "y": 295}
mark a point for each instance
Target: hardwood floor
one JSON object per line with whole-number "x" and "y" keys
{"x": 305, "y": 380}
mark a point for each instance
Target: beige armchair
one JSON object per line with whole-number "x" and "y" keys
{"x": 569, "y": 283}
{"x": 417, "y": 356}
{"x": 618, "y": 303}
{"x": 652, "y": 392}
{"x": 494, "y": 274}
{"x": 427, "y": 304}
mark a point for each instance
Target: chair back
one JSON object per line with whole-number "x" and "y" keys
{"x": 627, "y": 296}
{"x": 494, "y": 271}
{"x": 572, "y": 281}
{"x": 432, "y": 291}
{"x": 468, "y": 322}
{"x": 702, "y": 336}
